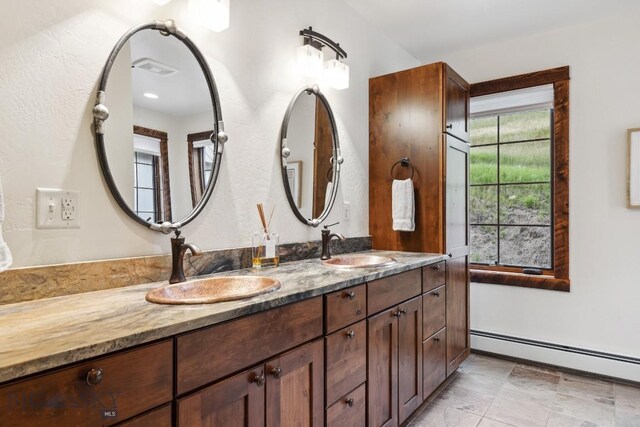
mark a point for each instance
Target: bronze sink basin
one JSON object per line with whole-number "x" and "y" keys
{"x": 213, "y": 289}
{"x": 359, "y": 261}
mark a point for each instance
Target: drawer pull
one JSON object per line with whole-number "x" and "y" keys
{"x": 435, "y": 267}
{"x": 396, "y": 313}
{"x": 349, "y": 402}
{"x": 276, "y": 372}
{"x": 403, "y": 311}
{"x": 436, "y": 294}
{"x": 437, "y": 339}
{"x": 350, "y": 333}
{"x": 94, "y": 376}
{"x": 349, "y": 294}
{"x": 259, "y": 379}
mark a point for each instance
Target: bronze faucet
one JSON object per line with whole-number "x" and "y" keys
{"x": 178, "y": 249}
{"x": 326, "y": 238}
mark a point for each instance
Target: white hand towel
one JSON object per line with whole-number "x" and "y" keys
{"x": 403, "y": 205}
{"x": 5, "y": 253}
{"x": 327, "y": 194}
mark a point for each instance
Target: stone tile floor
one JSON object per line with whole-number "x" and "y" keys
{"x": 490, "y": 392}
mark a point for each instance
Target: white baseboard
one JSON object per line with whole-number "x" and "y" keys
{"x": 564, "y": 356}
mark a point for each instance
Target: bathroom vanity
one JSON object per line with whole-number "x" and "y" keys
{"x": 341, "y": 347}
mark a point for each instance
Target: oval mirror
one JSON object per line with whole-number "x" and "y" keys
{"x": 161, "y": 147}
{"x": 310, "y": 156}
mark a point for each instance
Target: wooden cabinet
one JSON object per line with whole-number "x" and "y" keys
{"x": 423, "y": 114}
{"x": 458, "y": 338}
{"x": 237, "y": 401}
{"x": 101, "y": 392}
{"x": 434, "y": 368}
{"x": 161, "y": 417}
{"x": 345, "y": 307}
{"x": 350, "y": 411}
{"x": 211, "y": 353}
{"x": 386, "y": 292}
{"x": 409, "y": 358}
{"x": 346, "y": 361}
{"x": 394, "y": 364}
{"x": 295, "y": 387}
{"x": 456, "y": 101}
{"x": 285, "y": 391}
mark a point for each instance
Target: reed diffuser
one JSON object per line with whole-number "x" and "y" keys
{"x": 265, "y": 243}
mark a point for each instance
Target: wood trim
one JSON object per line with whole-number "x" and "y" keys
{"x": 164, "y": 158}
{"x": 558, "y": 277}
{"x": 521, "y": 280}
{"x": 191, "y": 138}
{"x": 521, "y": 81}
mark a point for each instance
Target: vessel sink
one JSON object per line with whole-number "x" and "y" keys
{"x": 213, "y": 289}
{"x": 359, "y": 261}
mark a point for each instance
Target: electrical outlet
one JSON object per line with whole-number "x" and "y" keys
{"x": 57, "y": 208}
{"x": 346, "y": 211}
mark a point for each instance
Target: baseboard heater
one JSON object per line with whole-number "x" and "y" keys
{"x": 559, "y": 347}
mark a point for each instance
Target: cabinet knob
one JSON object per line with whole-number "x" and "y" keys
{"x": 349, "y": 402}
{"x": 435, "y": 267}
{"x": 259, "y": 379}
{"x": 349, "y": 294}
{"x": 403, "y": 311}
{"x": 350, "y": 333}
{"x": 276, "y": 372}
{"x": 450, "y": 255}
{"x": 437, "y": 339}
{"x": 450, "y": 126}
{"x": 94, "y": 376}
{"x": 435, "y": 294}
{"x": 396, "y": 313}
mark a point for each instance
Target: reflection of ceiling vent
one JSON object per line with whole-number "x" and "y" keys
{"x": 155, "y": 67}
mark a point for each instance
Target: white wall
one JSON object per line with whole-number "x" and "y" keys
{"x": 52, "y": 54}
{"x": 601, "y": 312}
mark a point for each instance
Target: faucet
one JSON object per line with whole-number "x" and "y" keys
{"x": 178, "y": 249}
{"x": 326, "y": 238}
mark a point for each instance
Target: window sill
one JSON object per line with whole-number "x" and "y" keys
{"x": 520, "y": 280}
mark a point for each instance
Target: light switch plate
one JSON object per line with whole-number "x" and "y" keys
{"x": 57, "y": 208}
{"x": 346, "y": 211}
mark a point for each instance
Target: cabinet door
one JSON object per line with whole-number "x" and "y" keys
{"x": 456, "y": 94}
{"x": 295, "y": 387}
{"x": 382, "y": 379}
{"x": 409, "y": 358}
{"x": 236, "y": 401}
{"x": 434, "y": 352}
{"x": 457, "y": 312}
{"x": 457, "y": 194}
{"x": 346, "y": 360}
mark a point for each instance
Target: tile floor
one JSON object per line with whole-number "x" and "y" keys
{"x": 490, "y": 392}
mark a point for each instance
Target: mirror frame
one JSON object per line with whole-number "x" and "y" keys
{"x": 285, "y": 152}
{"x": 101, "y": 114}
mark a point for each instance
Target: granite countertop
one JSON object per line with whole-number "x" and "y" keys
{"x": 53, "y": 332}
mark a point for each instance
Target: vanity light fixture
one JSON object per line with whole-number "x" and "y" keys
{"x": 212, "y": 14}
{"x": 151, "y": 95}
{"x": 311, "y": 59}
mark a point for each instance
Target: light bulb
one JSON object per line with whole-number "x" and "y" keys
{"x": 310, "y": 61}
{"x": 212, "y": 14}
{"x": 336, "y": 74}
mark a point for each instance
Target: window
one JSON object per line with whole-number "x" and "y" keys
{"x": 151, "y": 192}
{"x": 519, "y": 180}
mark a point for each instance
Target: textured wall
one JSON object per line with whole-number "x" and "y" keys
{"x": 52, "y": 54}
{"x": 601, "y": 312}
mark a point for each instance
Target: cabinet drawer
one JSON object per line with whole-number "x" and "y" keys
{"x": 132, "y": 382}
{"x": 349, "y": 411}
{"x": 433, "y": 276}
{"x": 345, "y": 307}
{"x": 346, "y": 360}
{"x": 392, "y": 290}
{"x": 434, "y": 368}
{"x": 158, "y": 418}
{"x": 433, "y": 311}
{"x": 212, "y": 353}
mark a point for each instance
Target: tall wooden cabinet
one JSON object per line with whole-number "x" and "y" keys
{"x": 423, "y": 114}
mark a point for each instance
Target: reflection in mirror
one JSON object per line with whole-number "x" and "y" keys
{"x": 309, "y": 142}
{"x": 160, "y": 87}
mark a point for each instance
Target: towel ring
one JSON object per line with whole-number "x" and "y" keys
{"x": 404, "y": 162}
